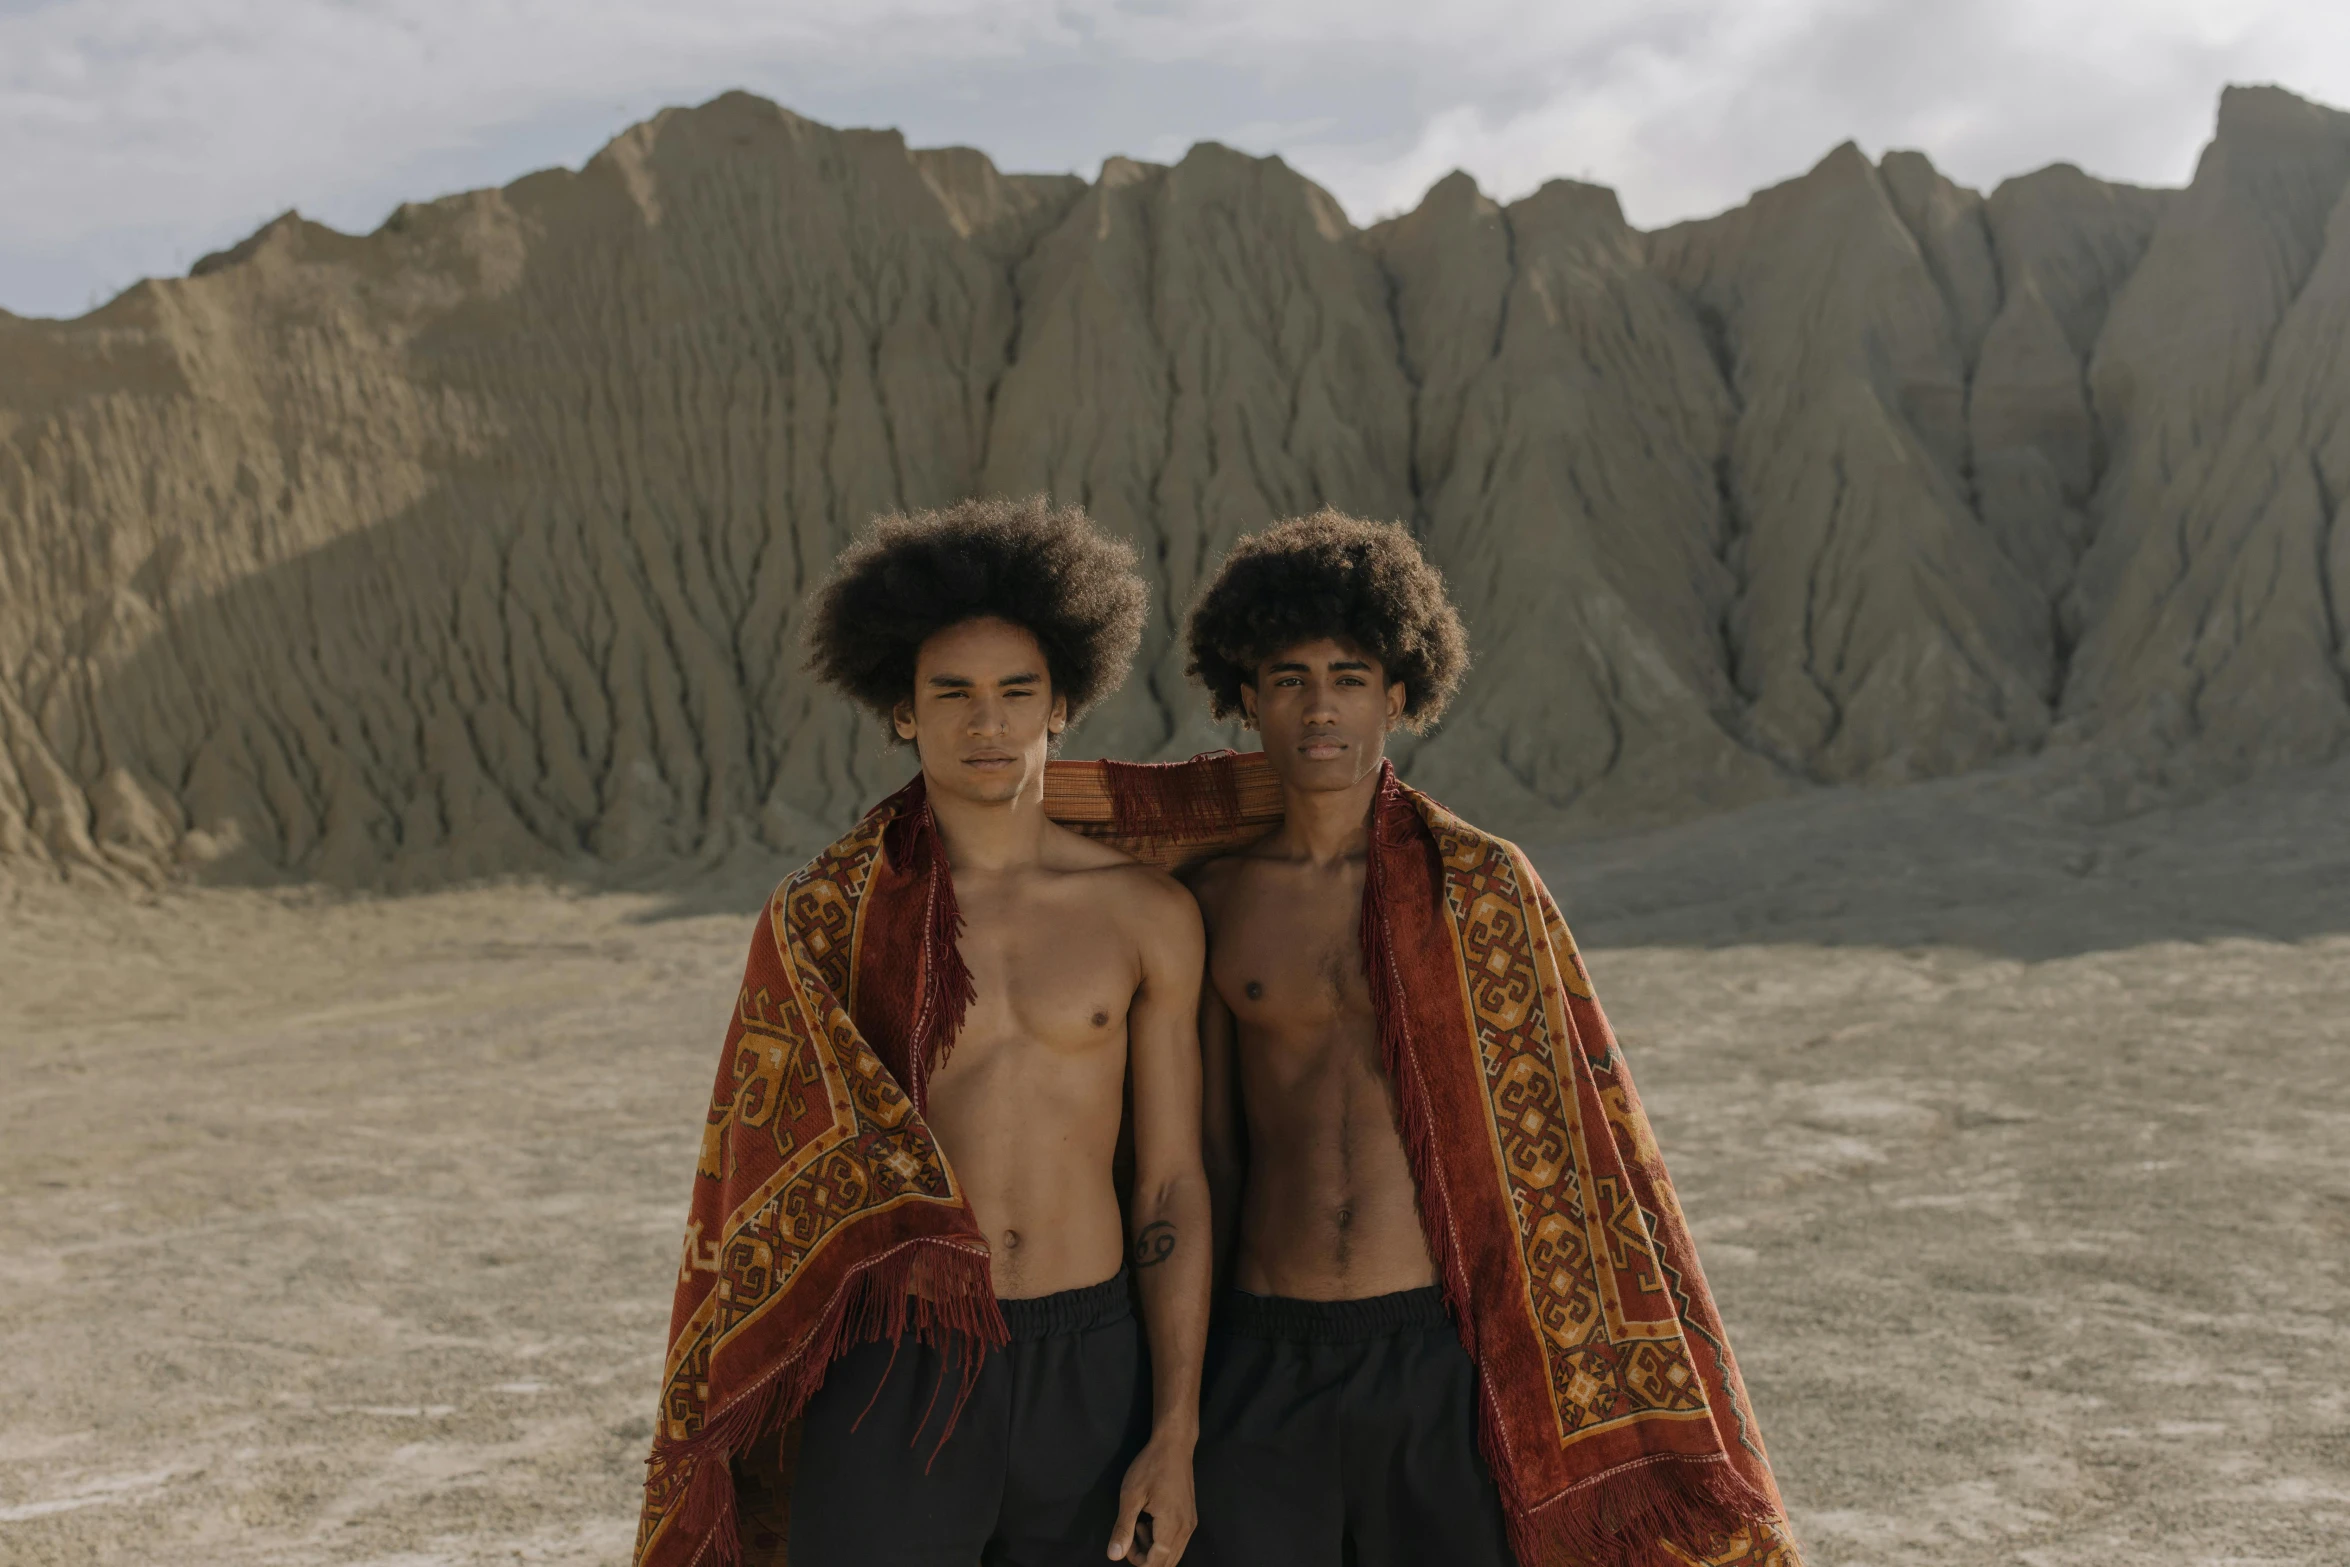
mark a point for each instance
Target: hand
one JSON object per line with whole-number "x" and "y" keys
{"x": 1158, "y": 1483}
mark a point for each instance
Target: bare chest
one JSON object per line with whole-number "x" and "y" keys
{"x": 1057, "y": 972}
{"x": 1287, "y": 958}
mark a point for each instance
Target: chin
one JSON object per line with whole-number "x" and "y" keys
{"x": 990, "y": 788}
{"x": 1340, "y": 772}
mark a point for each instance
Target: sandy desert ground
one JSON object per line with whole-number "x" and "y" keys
{"x": 339, "y": 1230}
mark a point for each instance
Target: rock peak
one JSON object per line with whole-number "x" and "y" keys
{"x": 481, "y": 543}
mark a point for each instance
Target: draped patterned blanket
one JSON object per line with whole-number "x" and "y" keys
{"x": 1610, "y": 1409}
{"x": 824, "y": 1214}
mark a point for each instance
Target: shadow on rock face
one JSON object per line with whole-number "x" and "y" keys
{"x": 1993, "y": 863}
{"x": 2005, "y": 864}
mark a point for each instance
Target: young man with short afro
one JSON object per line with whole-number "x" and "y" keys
{"x": 1386, "y": 1206}
{"x": 1323, "y": 634}
{"x": 992, "y": 1397}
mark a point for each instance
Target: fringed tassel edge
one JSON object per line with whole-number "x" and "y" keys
{"x": 948, "y": 989}
{"x": 1194, "y": 799}
{"x": 940, "y": 984}
{"x": 1419, "y": 1137}
{"x": 1617, "y": 1520}
{"x": 1624, "y": 1518}
{"x": 936, "y": 1291}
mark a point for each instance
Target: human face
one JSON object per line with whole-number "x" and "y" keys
{"x": 983, "y": 714}
{"x": 1324, "y": 710}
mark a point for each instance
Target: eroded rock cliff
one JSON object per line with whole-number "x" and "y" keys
{"x": 479, "y": 543}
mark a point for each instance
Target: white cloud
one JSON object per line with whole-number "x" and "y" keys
{"x": 1688, "y": 121}
{"x": 134, "y": 134}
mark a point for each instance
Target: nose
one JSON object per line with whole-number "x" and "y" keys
{"x": 1321, "y": 703}
{"x": 987, "y": 715}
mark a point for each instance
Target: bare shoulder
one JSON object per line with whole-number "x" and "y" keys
{"x": 1226, "y": 882}
{"x": 1212, "y": 878}
{"x": 1123, "y": 885}
{"x": 1069, "y": 852}
{"x": 1213, "y": 882}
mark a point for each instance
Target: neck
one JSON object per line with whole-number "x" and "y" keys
{"x": 991, "y": 835}
{"x": 1329, "y": 825}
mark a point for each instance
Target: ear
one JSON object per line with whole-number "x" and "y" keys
{"x": 1060, "y": 715}
{"x": 1395, "y": 703}
{"x": 1248, "y": 704}
{"x": 901, "y": 719}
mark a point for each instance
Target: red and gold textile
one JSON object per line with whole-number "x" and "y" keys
{"x": 824, "y": 1214}
{"x": 1610, "y": 1411}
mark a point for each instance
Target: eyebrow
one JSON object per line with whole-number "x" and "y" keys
{"x": 965, "y": 681}
{"x": 1307, "y": 669}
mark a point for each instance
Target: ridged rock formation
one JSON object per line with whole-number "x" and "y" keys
{"x": 479, "y": 543}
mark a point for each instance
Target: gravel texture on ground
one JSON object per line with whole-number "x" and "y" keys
{"x": 341, "y": 1230}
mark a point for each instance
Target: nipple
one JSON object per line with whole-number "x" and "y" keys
{"x": 1101, "y": 1020}
{"x": 1255, "y": 989}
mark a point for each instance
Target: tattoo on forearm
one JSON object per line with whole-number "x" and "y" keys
{"x": 1154, "y": 1245}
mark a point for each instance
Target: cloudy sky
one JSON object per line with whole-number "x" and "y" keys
{"x": 135, "y": 135}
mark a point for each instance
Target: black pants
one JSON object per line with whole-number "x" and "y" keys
{"x": 1342, "y": 1433}
{"x": 1029, "y": 1476}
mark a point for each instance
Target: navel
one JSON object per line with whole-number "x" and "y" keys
{"x": 1011, "y": 1240}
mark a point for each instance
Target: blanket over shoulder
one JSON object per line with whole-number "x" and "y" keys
{"x": 824, "y": 1214}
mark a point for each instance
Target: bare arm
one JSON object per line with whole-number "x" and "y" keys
{"x": 1223, "y": 1134}
{"x": 1172, "y": 1253}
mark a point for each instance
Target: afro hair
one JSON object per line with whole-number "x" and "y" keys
{"x": 1047, "y": 570}
{"x": 1364, "y": 584}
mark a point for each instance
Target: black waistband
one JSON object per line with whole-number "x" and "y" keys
{"x": 1070, "y": 1311}
{"x": 1331, "y": 1321}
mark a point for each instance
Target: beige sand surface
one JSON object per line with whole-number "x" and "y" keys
{"x": 340, "y": 1231}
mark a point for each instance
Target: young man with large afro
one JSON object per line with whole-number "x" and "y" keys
{"x": 1339, "y": 1421}
{"x": 1049, "y": 571}
{"x": 1329, "y": 575}
{"x": 979, "y": 633}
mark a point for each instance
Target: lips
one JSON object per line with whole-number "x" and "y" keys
{"x": 1321, "y": 750}
{"x": 989, "y": 759}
